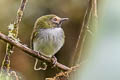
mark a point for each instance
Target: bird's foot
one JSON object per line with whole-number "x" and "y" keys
{"x": 42, "y": 67}
{"x": 38, "y": 53}
{"x": 54, "y": 61}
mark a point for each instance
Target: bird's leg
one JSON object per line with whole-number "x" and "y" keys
{"x": 54, "y": 61}
{"x": 36, "y": 62}
{"x": 40, "y": 68}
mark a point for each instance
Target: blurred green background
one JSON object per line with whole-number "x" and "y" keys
{"x": 22, "y": 63}
{"x": 103, "y": 61}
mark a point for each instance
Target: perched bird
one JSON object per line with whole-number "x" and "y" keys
{"x": 47, "y": 36}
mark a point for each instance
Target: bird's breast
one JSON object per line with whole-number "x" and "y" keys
{"x": 49, "y": 41}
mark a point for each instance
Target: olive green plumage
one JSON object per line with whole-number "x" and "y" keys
{"x": 48, "y": 36}
{"x": 44, "y": 22}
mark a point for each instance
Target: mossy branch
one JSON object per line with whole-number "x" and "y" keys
{"x": 13, "y": 33}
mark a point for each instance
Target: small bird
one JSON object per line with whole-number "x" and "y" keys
{"x": 47, "y": 37}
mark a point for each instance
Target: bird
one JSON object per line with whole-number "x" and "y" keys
{"x": 47, "y": 37}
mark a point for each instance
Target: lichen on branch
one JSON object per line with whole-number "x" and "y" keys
{"x": 13, "y": 33}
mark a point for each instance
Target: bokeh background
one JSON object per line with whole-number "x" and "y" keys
{"x": 22, "y": 63}
{"x": 103, "y": 61}
{"x": 100, "y": 58}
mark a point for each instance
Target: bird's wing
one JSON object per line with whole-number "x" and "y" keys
{"x": 34, "y": 33}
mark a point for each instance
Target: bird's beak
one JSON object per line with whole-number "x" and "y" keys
{"x": 64, "y": 19}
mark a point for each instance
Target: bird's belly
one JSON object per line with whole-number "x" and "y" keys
{"x": 49, "y": 43}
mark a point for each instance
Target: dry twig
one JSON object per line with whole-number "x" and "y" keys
{"x": 91, "y": 9}
{"x": 63, "y": 75}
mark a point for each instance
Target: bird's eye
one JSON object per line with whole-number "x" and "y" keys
{"x": 54, "y": 19}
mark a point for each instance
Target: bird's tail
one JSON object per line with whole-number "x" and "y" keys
{"x": 43, "y": 65}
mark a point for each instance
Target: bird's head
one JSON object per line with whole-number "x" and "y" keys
{"x": 49, "y": 21}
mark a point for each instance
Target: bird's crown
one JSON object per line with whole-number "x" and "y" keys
{"x": 49, "y": 21}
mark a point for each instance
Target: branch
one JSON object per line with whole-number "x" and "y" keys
{"x": 20, "y": 12}
{"x": 90, "y": 15}
{"x": 31, "y": 52}
{"x": 13, "y": 33}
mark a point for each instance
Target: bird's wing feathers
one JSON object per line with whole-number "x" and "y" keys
{"x": 34, "y": 33}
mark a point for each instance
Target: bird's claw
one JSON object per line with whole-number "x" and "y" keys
{"x": 38, "y": 53}
{"x": 54, "y": 61}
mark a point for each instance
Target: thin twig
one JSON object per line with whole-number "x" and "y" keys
{"x": 82, "y": 36}
{"x": 63, "y": 75}
{"x": 20, "y": 13}
{"x": 13, "y": 33}
{"x": 95, "y": 8}
{"x": 90, "y": 12}
{"x": 31, "y": 52}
